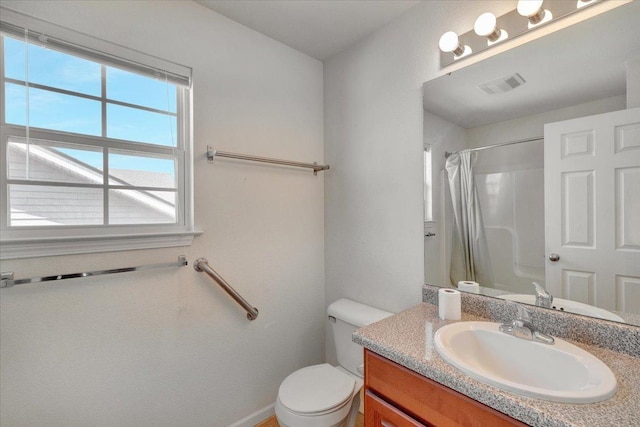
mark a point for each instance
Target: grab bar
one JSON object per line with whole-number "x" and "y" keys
{"x": 8, "y": 281}
{"x": 202, "y": 265}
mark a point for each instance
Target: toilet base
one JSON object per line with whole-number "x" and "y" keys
{"x": 344, "y": 416}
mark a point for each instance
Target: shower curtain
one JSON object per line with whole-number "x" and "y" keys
{"x": 469, "y": 254}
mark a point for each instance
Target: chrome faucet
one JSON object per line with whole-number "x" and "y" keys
{"x": 522, "y": 327}
{"x": 543, "y": 298}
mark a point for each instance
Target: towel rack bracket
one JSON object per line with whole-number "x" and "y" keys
{"x": 253, "y": 315}
{"x": 196, "y": 265}
{"x": 211, "y": 153}
{"x": 6, "y": 280}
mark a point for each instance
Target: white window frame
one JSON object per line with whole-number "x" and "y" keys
{"x": 36, "y": 241}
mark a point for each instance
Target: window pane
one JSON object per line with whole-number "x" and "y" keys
{"x": 14, "y": 62}
{"x": 15, "y": 104}
{"x": 55, "y": 111}
{"x": 33, "y": 205}
{"x": 52, "y": 68}
{"x": 428, "y": 185}
{"x": 45, "y": 161}
{"x": 132, "y": 124}
{"x": 141, "y": 170}
{"x": 142, "y": 207}
{"x": 140, "y": 90}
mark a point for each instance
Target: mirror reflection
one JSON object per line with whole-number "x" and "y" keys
{"x": 534, "y": 181}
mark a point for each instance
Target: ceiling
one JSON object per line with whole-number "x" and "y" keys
{"x": 319, "y": 28}
{"x": 581, "y": 63}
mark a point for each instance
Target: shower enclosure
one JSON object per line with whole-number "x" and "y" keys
{"x": 509, "y": 182}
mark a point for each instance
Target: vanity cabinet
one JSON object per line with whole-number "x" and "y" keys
{"x": 378, "y": 413}
{"x": 398, "y": 397}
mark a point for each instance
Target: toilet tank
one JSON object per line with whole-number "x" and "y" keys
{"x": 347, "y": 316}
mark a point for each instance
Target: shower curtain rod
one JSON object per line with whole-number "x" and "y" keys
{"x": 447, "y": 154}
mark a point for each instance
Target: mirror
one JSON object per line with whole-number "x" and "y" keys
{"x": 590, "y": 68}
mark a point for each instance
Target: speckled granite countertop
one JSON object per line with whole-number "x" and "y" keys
{"x": 402, "y": 338}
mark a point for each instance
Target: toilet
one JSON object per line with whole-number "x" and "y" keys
{"x": 324, "y": 395}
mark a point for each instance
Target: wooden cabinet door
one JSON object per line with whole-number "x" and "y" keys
{"x": 379, "y": 413}
{"x": 426, "y": 400}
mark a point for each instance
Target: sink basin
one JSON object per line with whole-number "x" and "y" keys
{"x": 567, "y": 305}
{"x": 560, "y": 372}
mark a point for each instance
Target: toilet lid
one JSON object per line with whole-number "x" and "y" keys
{"x": 316, "y": 389}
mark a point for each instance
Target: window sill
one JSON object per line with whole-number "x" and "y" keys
{"x": 33, "y": 248}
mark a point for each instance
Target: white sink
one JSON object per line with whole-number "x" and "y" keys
{"x": 559, "y": 372}
{"x": 567, "y": 305}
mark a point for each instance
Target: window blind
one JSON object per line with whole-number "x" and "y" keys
{"x": 49, "y": 35}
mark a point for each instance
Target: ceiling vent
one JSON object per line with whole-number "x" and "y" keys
{"x": 504, "y": 84}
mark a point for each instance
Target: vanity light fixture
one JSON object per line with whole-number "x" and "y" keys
{"x": 486, "y": 26}
{"x": 450, "y": 43}
{"x": 490, "y": 29}
{"x": 534, "y": 12}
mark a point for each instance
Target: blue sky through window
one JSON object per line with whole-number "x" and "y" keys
{"x": 140, "y": 90}
{"x": 128, "y": 162}
{"x": 139, "y": 125}
{"x": 78, "y": 114}
{"x": 52, "y": 110}
{"x": 51, "y": 68}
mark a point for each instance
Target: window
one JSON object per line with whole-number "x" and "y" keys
{"x": 428, "y": 184}
{"x": 95, "y": 148}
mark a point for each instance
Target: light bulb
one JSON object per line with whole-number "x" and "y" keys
{"x": 532, "y": 10}
{"x": 449, "y": 43}
{"x": 486, "y": 26}
{"x": 583, "y": 3}
{"x": 529, "y": 7}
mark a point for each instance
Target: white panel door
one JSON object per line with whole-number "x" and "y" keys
{"x": 592, "y": 209}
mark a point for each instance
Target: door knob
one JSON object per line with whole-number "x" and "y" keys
{"x": 553, "y": 257}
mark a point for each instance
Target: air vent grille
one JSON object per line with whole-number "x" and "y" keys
{"x": 502, "y": 85}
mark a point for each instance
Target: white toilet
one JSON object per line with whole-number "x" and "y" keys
{"x": 324, "y": 395}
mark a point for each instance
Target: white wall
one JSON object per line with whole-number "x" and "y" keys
{"x": 374, "y": 247}
{"x": 633, "y": 82}
{"x": 168, "y": 347}
{"x": 532, "y": 126}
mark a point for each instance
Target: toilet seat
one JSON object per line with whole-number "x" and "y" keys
{"x": 316, "y": 389}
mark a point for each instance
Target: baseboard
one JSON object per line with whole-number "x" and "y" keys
{"x": 256, "y": 417}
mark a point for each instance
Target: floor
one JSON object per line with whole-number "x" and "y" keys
{"x": 272, "y": 422}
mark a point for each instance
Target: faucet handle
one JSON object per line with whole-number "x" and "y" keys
{"x": 543, "y": 297}
{"x": 524, "y": 314}
{"x": 522, "y": 327}
{"x": 540, "y": 290}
